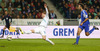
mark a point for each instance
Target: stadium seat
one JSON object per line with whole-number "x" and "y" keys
{"x": 19, "y": 9}
{"x": 13, "y": 0}
{"x": 0, "y": 0}
{"x": 0, "y": 9}
{"x": 28, "y": 4}
{"x": 6, "y": 9}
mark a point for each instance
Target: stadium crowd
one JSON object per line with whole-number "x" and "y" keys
{"x": 21, "y": 9}
{"x": 69, "y": 8}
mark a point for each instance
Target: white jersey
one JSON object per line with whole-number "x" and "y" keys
{"x": 45, "y": 20}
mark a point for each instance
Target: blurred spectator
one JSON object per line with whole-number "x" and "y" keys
{"x": 91, "y": 9}
{"x": 96, "y": 3}
{"x": 63, "y": 3}
{"x": 52, "y": 15}
{"x": 0, "y": 15}
{"x": 18, "y": 17}
{"x": 80, "y": 1}
{"x": 20, "y": 14}
{"x": 41, "y": 10}
{"x": 31, "y": 7}
{"x": 24, "y": 10}
{"x": 26, "y": 15}
{"x": 85, "y": 6}
{"x": 10, "y": 4}
{"x": 28, "y": 9}
{"x": 92, "y": 15}
{"x": 96, "y": 17}
{"x": 89, "y": 16}
{"x": 39, "y": 15}
{"x": 34, "y": 15}
{"x": 75, "y": 2}
{"x": 39, "y": 6}
{"x": 9, "y": 10}
{"x": 30, "y": 16}
{"x": 58, "y": 23}
{"x": 68, "y": 13}
{"x": 36, "y": 3}
{"x": 16, "y": 4}
{"x": 72, "y": 7}
{"x": 3, "y": 3}
{"x": 69, "y": 4}
{"x": 23, "y": 17}
{"x": 77, "y": 11}
{"x": 74, "y": 16}
{"x": 79, "y": 17}
{"x": 97, "y": 9}
{"x": 98, "y": 14}
{"x": 71, "y": 1}
{"x": 29, "y": 1}
{"x": 34, "y": 10}
{"x": 2, "y": 11}
{"x": 13, "y": 15}
{"x": 16, "y": 11}
{"x": 26, "y": 4}
{"x": 65, "y": 7}
{"x": 99, "y": 3}
{"x": 6, "y": 1}
{"x": 42, "y": 3}
{"x": 22, "y": 3}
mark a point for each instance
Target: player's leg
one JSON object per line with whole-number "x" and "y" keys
{"x": 45, "y": 38}
{"x": 43, "y": 33}
{"x": 28, "y": 31}
{"x": 17, "y": 30}
{"x": 3, "y": 32}
{"x": 87, "y": 32}
{"x": 78, "y": 34}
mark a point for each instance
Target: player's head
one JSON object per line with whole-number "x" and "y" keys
{"x": 80, "y": 6}
{"x": 43, "y": 14}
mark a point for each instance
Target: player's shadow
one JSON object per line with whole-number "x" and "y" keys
{"x": 2, "y": 46}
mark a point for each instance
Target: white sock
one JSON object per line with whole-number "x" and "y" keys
{"x": 28, "y": 32}
{"x": 17, "y": 36}
{"x": 49, "y": 41}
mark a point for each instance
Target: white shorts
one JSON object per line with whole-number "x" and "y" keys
{"x": 40, "y": 30}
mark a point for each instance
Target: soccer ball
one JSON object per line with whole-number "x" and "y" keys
{"x": 9, "y": 38}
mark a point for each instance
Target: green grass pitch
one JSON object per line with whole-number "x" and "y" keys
{"x": 41, "y": 45}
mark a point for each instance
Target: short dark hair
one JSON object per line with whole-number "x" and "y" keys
{"x": 82, "y": 5}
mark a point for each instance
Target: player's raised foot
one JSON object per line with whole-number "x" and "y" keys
{"x": 96, "y": 28}
{"x": 21, "y": 31}
{"x": 53, "y": 43}
{"x": 75, "y": 43}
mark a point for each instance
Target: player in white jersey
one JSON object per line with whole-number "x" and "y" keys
{"x": 42, "y": 27}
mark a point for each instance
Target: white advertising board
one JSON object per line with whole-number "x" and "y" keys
{"x": 31, "y": 22}
{"x": 52, "y": 32}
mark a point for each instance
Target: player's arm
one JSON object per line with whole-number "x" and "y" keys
{"x": 86, "y": 16}
{"x": 84, "y": 21}
{"x": 10, "y": 19}
{"x": 45, "y": 6}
